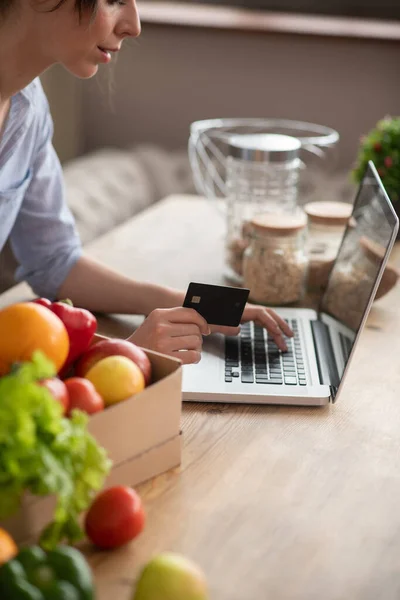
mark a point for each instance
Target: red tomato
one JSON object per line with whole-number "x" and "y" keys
{"x": 115, "y": 517}
{"x": 83, "y": 395}
{"x": 58, "y": 390}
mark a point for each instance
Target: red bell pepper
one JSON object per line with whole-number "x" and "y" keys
{"x": 80, "y": 324}
{"x": 43, "y": 301}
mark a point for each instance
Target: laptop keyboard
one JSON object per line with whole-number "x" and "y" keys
{"x": 254, "y": 357}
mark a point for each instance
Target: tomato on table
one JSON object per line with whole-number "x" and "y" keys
{"x": 115, "y": 517}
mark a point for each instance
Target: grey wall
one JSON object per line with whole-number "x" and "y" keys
{"x": 174, "y": 75}
{"x": 64, "y": 94}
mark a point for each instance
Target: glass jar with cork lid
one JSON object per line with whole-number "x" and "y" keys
{"x": 262, "y": 172}
{"x": 326, "y": 225}
{"x": 275, "y": 261}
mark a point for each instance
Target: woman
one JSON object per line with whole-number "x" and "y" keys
{"x": 79, "y": 34}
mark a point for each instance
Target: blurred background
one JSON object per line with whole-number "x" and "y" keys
{"x": 122, "y": 136}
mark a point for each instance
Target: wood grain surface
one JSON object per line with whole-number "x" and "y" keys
{"x": 273, "y": 502}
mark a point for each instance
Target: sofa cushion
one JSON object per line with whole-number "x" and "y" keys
{"x": 110, "y": 185}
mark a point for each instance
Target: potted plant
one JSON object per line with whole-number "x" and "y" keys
{"x": 382, "y": 146}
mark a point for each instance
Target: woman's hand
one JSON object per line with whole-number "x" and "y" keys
{"x": 268, "y": 318}
{"x": 176, "y": 332}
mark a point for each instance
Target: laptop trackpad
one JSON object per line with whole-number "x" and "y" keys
{"x": 208, "y": 373}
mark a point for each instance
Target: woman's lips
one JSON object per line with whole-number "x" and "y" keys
{"x": 105, "y": 54}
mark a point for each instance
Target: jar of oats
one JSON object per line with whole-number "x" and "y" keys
{"x": 275, "y": 261}
{"x": 326, "y": 225}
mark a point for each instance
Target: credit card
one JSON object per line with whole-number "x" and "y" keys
{"x": 218, "y": 304}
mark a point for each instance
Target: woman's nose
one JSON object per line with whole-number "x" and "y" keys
{"x": 129, "y": 26}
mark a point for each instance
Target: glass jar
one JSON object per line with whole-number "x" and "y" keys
{"x": 326, "y": 225}
{"x": 275, "y": 261}
{"x": 353, "y": 279}
{"x": 262, "y": 176}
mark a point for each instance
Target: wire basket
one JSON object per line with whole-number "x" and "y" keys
{"x": 208, "y": 150}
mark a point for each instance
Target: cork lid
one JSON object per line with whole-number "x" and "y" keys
{"x": 329, "y": 213}
{"x": 279, "y": 224}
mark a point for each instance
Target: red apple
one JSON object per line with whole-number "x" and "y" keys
{"x": 114, "y": 347}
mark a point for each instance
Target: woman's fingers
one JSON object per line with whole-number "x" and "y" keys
{"x": 187, "y": 315}
{"x": 225, "y": 330}
{"x": 281, "y": 322}
{"x": 183, "y": 329}
{"x": 187, "y": 357}
{"x": 266, "y": 320}
{"x": 186, "y": 342}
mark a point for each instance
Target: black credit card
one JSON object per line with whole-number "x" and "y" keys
{"x": 218, "y": 304}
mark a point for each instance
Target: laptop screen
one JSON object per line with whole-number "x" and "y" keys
{"x": 369, "y": 234}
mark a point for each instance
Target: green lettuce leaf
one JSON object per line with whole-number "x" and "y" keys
{"x": 43, "y": 453}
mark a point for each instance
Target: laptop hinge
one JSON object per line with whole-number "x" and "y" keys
{"x": 334, "y": 390}
{"x": 326, "y": 362}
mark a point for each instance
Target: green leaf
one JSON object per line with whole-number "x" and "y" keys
{"x": 43, "y": 453}
{"x": 387, "y": 134}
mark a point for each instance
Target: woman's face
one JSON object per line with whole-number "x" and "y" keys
{"x": 81, "y": 45}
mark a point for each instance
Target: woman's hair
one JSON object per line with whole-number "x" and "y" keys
{"x": 81, "y": 6}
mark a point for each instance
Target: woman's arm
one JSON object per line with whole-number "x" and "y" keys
{"x": 98, "y": 288}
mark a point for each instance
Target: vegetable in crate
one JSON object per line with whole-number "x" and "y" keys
{"x": 83, "y": 396}
{"x": 61, "y": 574}
{"x": 26, "y": 327}
{"x": 58, "y": 390}
{"x": 43, "y": 453}
{"x": 80, "y": 324}
{"x": 114, "y": 347}
{"x": 116, "y": 378}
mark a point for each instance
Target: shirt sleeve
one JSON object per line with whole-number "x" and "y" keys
{"x": 44, "y": 238}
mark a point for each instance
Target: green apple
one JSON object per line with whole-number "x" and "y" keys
{"x": 170, "y": 576}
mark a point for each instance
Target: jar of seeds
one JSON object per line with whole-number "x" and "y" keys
{"x": 326, "y": 225}
{"x": 275, "y": 261}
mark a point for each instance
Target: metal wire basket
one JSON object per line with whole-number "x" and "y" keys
{"x": 209, "y": 140}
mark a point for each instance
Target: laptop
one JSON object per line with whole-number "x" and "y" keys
{"x": 249, "y": 368}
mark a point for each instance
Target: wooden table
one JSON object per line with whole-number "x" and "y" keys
{"x": 273, "y": 502}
